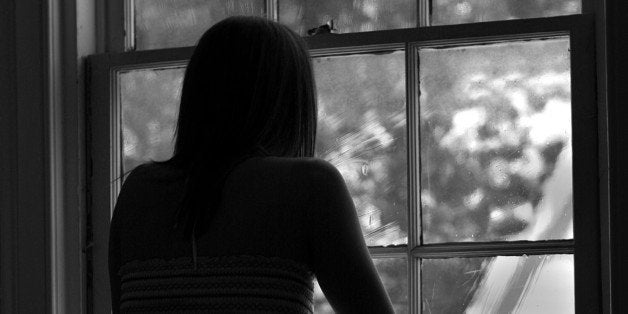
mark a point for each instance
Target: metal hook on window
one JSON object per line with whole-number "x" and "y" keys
{"x": 326, "y": 28}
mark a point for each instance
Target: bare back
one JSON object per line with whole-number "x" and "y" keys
{"x": 296, "y": 209}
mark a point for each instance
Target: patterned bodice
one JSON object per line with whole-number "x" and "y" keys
{"x": 231, "y": 284}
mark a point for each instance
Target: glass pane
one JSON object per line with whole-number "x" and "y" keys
{"x": 349, "y": 15}
{"x": 471, "y": 11}
{"x": 149, "y": 104}
{"x": 393, "y": 273}
{"x": 179, "y": 23}
{"x": 534, "y": 284}
{"x": 362, "y": 131}
{"x": 496, "y": 142}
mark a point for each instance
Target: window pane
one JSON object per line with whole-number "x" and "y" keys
{"x": 471, "y": 11}
{"x": 349, "y": 16}
{"x": 179, "y": 23}
{"x": 496, "y": 142}
{"x": 504, "y": 284}
{"x": 362, "y": 131}
{"x": 149, "y": 106}
{"x": 393, "y": 273}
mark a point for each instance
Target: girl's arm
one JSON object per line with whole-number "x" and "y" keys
{"x": 339, "y": 254}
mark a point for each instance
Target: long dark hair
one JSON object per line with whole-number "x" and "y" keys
{"x": 248, "y": 86}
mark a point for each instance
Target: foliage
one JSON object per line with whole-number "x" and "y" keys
{"x": 470, "y": 11}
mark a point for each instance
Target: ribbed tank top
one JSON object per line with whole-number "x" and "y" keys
{"x": 229, "y": 284}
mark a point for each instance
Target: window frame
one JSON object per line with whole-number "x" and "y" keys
{"x": 104, "y": 138}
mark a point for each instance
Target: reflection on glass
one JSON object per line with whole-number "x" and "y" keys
{"x": 179, "y": 23}
{"x": 362, "y": 131}
{"x": 471, "y": 11}
{"x": 349, "y": 16}
{"x": 496, "y": 142}
{"x": 392, "y": 271}
{"x": 505, "y": 284}
{"x": 149, "y": 105}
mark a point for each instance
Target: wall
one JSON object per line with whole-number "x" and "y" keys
{"x": 42, "y": 190}
{"x": 7, "y": 156}
{"x": 617, "y": 98}
{"x": 25, "y": 259}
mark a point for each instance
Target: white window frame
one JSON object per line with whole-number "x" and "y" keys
{"x": 104, "y": 132}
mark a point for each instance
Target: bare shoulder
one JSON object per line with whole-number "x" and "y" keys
{"x": 317, "y": 179}
{"x": 317, "y": 166}
{"x": 295, "y": 178}
{"x": 322, "y": 175}
{"x": 143, "y": 178}
{"x": 305, "y": 169}
{"x": 156, "y": 171}
{"x": 314, "y": 185}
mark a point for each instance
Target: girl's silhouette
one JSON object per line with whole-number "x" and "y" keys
{"x": 242, "y": 216}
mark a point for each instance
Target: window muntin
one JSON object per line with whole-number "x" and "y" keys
{"x": 496, "y": 141}
{"x": 446, "y": 12}
{"x": 500, "y": 284}
{"x": 180, "y": 23}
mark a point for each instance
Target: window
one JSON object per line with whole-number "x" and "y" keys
{"x": 462, "y": 129}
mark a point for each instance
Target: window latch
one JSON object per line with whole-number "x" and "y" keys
{"x": 326, "y": 28}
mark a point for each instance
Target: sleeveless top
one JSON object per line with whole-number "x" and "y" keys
{"x": 228, "y": 284}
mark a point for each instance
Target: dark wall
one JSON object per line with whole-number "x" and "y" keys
{"x": 617, "y": 80}
{"x": 24, "y": 220}
{"x": 7, "y": 149}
